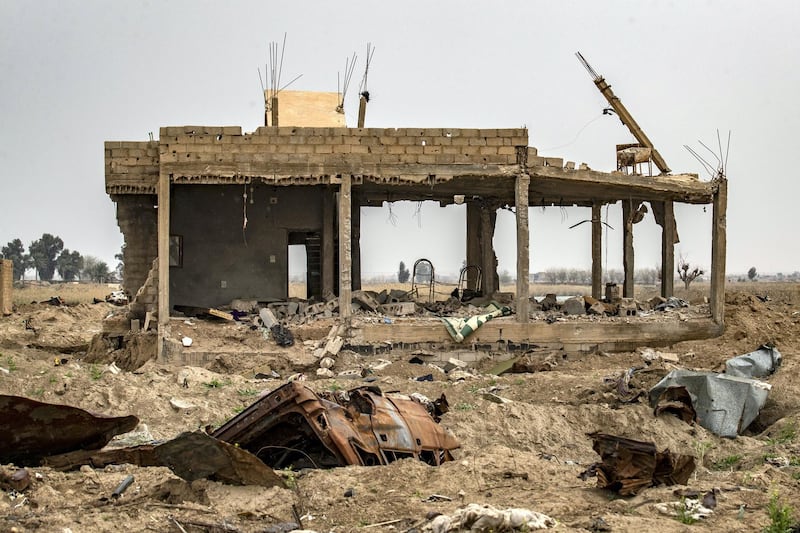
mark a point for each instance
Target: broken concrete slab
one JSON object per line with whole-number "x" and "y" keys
{"x": 366, "y": 300}
{"x": 268, "y": 318}
{"x": 398, "y": 308}
{"x": 31, "y": 430}
{"x": 333, "y": 346}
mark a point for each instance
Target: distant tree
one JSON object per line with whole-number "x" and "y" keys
{"x": 551, "y": 275}
{"x": 613, "y": 275}
{"x": 15, "y": 251}
{"x": 69, "y": 265}
{"x": 646, "y": 276}
{"x": 43, "y": 253}
{"x": 686, "y": 273}
{"x": 120, "y": 257}
{"x": 752, "y": 274}
{"x": 95, "y": 270}
{"x": 402, "y": 273}
{"x": 505, "y": 277}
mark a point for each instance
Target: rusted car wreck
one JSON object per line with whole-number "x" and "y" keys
{"x": 294, "y": 426}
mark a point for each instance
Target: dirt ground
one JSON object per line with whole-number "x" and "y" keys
{"x": 526, "y": 453}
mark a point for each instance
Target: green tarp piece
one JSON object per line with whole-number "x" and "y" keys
{"x": 461, "y": 328}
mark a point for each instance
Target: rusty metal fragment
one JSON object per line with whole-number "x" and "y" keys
{"x": 190, "y": 455}
{"x": 31, "y": 430}
{"x": 676, "y": 401}
{"x": 294, "y": 426}
{"x": 629, "y": 466}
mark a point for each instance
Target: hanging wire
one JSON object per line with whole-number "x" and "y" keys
{"x": 598, "y": 117}
{"x": 418, "y": 214}
{"x": 392, "y": 218}
{"x": 244, "y": 215}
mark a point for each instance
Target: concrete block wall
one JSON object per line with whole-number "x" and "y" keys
{"x": 137, "y": 218}
{"x": 225, "y": 145}
{"x": 6, "y": 286}
{"x": 131, "y": 167}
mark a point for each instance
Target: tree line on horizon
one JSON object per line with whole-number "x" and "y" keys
{"x": 47, "y": 255}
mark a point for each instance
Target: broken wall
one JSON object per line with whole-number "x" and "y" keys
{"x": 220, "y": 260}
{"x": 137, "y": 218}
{"x": 6, "y": 286}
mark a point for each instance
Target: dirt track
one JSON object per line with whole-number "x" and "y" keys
{"x": 541, "y": 433}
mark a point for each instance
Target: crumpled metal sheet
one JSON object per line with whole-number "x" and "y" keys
{"x": 31, "y": 430}
{"x": 190, "y": 455}
{"x": 757, "y": 364}
{"x": 628, "y": 465}
{"x": 724, "y": 404}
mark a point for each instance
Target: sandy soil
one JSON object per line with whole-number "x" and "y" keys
{"x": 541, "y": 433}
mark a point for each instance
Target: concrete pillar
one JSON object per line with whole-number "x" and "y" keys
{"x": 627, "y": 248}
{"x": 274, "y": 111}
{"x": 345, "y": 290}
{"x": 488, "y": 261}
{"x": 355, "y": 221}
{"x": 668, "y": 250}
{"x": 597, "y": 251}
{"x": 473, "y": 242}
{"x": 164, "y": 180}
{"x": 328, "y": 230}
{"x": 6, "y": 286}
{"x": 523, "y": 246}
{"x": 362, "y": 111}
{"x": 719, "y": 233}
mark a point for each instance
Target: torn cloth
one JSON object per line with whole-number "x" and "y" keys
{"x": 461, "y": 328}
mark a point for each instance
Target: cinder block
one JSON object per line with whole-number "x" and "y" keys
{"x": 477, "y": 141}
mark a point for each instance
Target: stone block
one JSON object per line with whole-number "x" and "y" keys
{"x": 574, "y": 306}
{"x": 398, "y": 308}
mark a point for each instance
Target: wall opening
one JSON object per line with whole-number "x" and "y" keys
{"x": 298, "y": 270}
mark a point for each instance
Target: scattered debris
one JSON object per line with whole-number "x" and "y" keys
{"x": 628, "y": 466}
{"x": 18, "y": 480}
{"x": 621, "y": 384}
{"x": 476, "y": 517}
{"x": 117, "y": 298}
{"x": 724, "y": 405}
{"x": 687, "y": 508}
{"x": 294, "y": 425}
{"x": 122, "y": 487}
{"x": 758, "y": 364}
{"x": 31, "y": 430}
{"x": 650, "y": 355}
{"x": 671, "y": 303}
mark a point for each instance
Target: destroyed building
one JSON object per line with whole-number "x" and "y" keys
{"x": 208, "y": 214}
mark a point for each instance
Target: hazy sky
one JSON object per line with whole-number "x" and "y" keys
{"x": 77, "y": 73}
